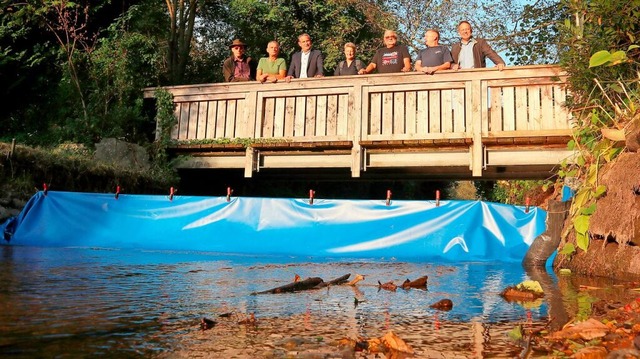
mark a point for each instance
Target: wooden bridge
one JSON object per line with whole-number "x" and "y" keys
{"x": 465, "y": 124}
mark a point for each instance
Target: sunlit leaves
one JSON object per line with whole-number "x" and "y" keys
{"x": 568, "y": 249}
{"x": 581, "y": 224}
{"x": 604, "y": 57}
{"x": 582, "y": 240}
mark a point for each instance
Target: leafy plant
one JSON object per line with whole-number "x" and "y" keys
{"x": 604, "y": 95}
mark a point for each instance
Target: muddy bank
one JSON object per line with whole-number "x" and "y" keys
{"x": 614, "y": 227}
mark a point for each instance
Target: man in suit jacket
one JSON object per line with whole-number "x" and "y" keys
{"x": 306, "y": 62}
{"x": 472, "y": 53}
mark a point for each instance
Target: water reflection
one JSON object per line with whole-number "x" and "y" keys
{"x": 84, "y": 302}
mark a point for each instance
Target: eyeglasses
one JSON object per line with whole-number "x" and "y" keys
{"x": 389, "y": 37}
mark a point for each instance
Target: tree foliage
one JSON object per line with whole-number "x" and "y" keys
{"x": 84, "y": 63}
{"x": 602, "y": 59}
{"x": 330, "y": 23}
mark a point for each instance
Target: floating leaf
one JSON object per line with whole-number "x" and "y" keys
{"x": 565, "y": 271}
{"x": 531, "y": 285}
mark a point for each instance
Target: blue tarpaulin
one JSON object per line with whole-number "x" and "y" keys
{"x": 410, "y": 230}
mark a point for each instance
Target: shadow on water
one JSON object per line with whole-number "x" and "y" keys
{"x": 81, "y": 302}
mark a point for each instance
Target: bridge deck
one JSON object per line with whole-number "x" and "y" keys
{"x": 464, "y": 124}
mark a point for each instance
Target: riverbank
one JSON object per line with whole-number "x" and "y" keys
{"x": 25, "y": 170}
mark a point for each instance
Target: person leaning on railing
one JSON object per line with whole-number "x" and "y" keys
{"x": 472, "y": 52}
{"x": 238, "y": 67}
{"x": 351, "y": 65}
{"x": 272, "y": 68}
{"x": 306, "y": 62}
{"x": 390, "y": 58}
{"x": 434, "y": 57}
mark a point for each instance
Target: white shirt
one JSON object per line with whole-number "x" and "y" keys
{"x": 304, "y": 64}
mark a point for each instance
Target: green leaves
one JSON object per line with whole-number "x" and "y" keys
{"x": 604, "y": 57}
{"x": 607, "y": 58}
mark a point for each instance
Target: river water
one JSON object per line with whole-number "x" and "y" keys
{"x": 86, "y": 302}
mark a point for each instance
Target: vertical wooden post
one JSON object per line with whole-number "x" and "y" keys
{"x": 474, "y": 105}
{"x": 355, "y": 130}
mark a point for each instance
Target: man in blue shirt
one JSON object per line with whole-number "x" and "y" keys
{"x": 435, "y": 57}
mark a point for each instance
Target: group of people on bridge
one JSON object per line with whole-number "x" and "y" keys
{"x": 469, "y": 52}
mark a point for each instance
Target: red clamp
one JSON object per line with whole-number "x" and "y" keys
{"x": 172, "y": 193}
{"x": 229, "y": 192}
{"x": 388, "y": 197}
{"x": 312, "y": 193}
{"x": 117, "y": 192}
{"x": 45, "y": 188}
{"x": 437, "y": 198}
{"x": 527, "y": 204}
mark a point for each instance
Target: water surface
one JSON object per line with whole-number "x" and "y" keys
{"x": 83, "y": 302}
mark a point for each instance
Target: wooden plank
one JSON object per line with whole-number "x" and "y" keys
{"x": 343, "y": 115}
{"x": 332, "y": 115}
{"x": 484, "y": 109}
{"x": 525, "y": 81}
{"x": 399, "y": 118}
{"x": 321, "y": 116}
{"x": 182, "y": 114}
{"x": 474, "y": 92}
{"x": 231, "y": 119}
{"x": 435, "y": 124}
{"x": 249, "y": 116}
{"x": 547, "y": 117}
{"x": 239, "y": 118}
{"x": 310, "y": 117}
{"x": 495, "y": 113}
{"x": 521, "y": 108}
{"x": 387, "y": 113}
{"x": 221, "y": 118}
{"x": 356, "y": 104}
{"x": 422, "y": 113}
{"x": 561, "y": 113}
{"x": 410, "y": 104}
{"x": 289, "y": 118}
{"x": 278, "y": 119}
{"x": 459, "y": 122}
{"x": 375, "y": 120}
{"x": 535, "y": 121}
{"x": 508, "y": 109}
{"x": 446, "y": 110}
{"x": 266, "y": 130}
{"x": 532, "y": 133}
{"x": 298, "y": 127}
{"x": 212, "y": 115}
{"x": 192, "y": 126}
{"x": 201, "y": 131}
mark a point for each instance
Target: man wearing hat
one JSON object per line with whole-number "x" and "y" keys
{"x": 238, "y": 67}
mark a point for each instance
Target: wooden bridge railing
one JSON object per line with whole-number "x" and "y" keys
{"x": 462, "y": 119}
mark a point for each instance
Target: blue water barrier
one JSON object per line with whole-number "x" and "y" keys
{"x": 405, "y": 230}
